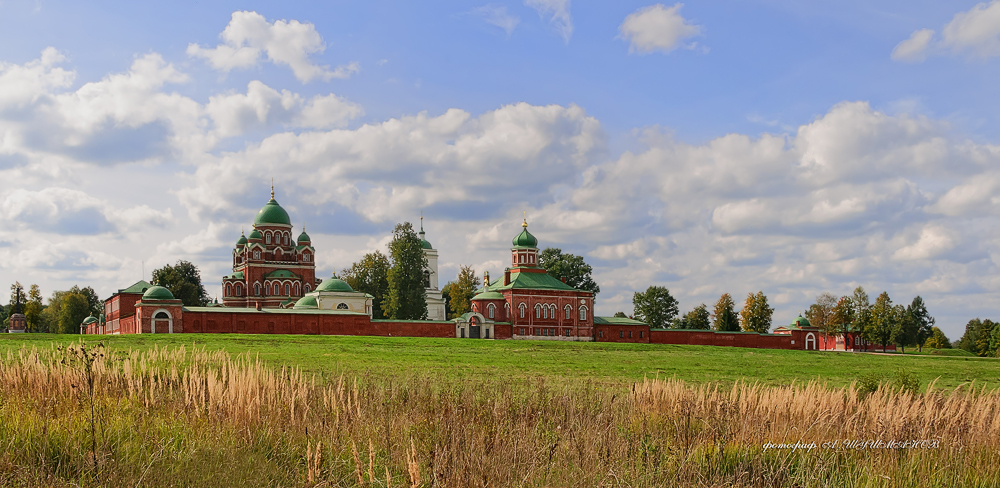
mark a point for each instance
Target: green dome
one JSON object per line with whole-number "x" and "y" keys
{"x": 800, "y": 322}
{"x": 306, "y": 302}
{"x": 272, "y": 213}
{"x": 255, "y": 234}
{"x": 424, "y": 244}
{"x": 303, "y": 237}
{"x": 488, "y": 295}
{"x": 334, "y": 284}
{"x": 89, "y": 320}
{"x": 157, "y": 293}
{"x": 241, "y": 241}
{"x": 525, "y": 239}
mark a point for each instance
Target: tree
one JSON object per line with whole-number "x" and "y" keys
{"x": 820, "y": 314}
{"x": 756, "y": 314}
{"x": 904, "y": 331}
{"x": 883, "y": 320}
{"x": 698, "y": 318}
{"x": 33, "y": 310}
{"x": 842, "y": 317}
{"x": 655, "y": 306}
{"x": 184, "y": 281}
{"x": 922, "y": 320}
{"x": 621, "y": 315}
{"x": 73, "y": 310}
{"x": 938, "y": 340}
{"x": 407, "y": 298}
{"x": 862, "y": 314}
{"x": 370, "y": 275}
{"x": 995, "y": 341}
{"x": 462, "y": 290}
{"x": 446, "y": 295}
{"x": 973, "y": 340}
{"x": 984, "y": 338}
{"x": 569, "y": 266}
{"x": 724, "y": 318}
{"x": 94, "y": 303}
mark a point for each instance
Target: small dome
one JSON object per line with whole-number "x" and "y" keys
{"x": 272, "y": 213}
{"x": 157, "y": 293}
{"x": 306, "y": 302}
{"x": 89, "y": 320}
{"x": 800, "y": 322}
{"x": 488, "y": 295}
{"x": 303, "y": 237}
{"x": 426, "y": 245}
{"x": 255, "y": 234}
{"x": 241, "y": 241}
{"x": 334, "y": 284}
{"x": 525, "y": 239}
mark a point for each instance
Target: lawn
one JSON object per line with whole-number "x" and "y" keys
{"x": 603, "y": 363}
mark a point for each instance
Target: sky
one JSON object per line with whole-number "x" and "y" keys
{"x": 736, "y": 146}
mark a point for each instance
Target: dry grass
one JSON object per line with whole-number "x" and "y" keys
{"x": 176, "y": 417}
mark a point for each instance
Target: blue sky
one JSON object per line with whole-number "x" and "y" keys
{"x": 793, "y": 147}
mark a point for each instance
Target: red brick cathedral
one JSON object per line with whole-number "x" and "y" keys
{"x": 269, "y": 266}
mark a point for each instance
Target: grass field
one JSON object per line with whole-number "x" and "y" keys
{"x": 602, "y": 363}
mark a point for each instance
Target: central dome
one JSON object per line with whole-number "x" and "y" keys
{"x": 157, "y": 293}
{"x": 334, "y": 284}
{"x": 272, "y": 213}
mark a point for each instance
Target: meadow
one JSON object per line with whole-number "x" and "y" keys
{"x": 381, "y": 412}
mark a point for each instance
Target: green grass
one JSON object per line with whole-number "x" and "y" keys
{"x": 603, "y": 363}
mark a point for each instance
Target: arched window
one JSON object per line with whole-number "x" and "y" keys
{"x": 297, "y": 289}
{"x": 520, "y": 258}
{"x": 569, "y": 311}
{"x": 342, "y": 306}
{"x": 161, "y": 315}
{"x": 229, "y": 290}
{"x": 492, "y": 310}
{"x": 256, "y": 254}
{"x": 506, "y": 310}
{"x": 308, "y": 288}
{"x": 267, "y": 237}
{"x": 239, "y": 290}
{"x": 538, "y": 311}
{"x": 583, "y": 312}
{"x": 522, "y": 307}
{"x": 427, "y": 279}
{"x": 267, "y": 289}
{"x": 305, "y": 257}
{"x": 256, "y": 289}
{"x": 277, "y": 254}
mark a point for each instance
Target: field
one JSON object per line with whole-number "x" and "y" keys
{"x": 605, "y": 363}
{"x": 217, "y": 410}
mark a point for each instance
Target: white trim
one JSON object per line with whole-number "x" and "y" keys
{"x": 152, "y": 321}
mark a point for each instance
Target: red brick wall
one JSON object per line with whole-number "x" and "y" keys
{"x": 711, "y": 338}
{"x": 253, "y": 322}
{"x": 620, "y": 333}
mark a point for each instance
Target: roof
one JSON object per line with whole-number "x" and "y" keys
{"x": 306, "y": 302}
{"x": 617, "y": 321}
{"x": 303, "y": 237}
{"x": 89, "y": 320}
{"x": 281, "y": 273}
{"x": 235, "y": 276}
{"x": 272, "y": 213}
{"x": 255, "y": 234}
{"x": 273, "y": 311}
{"x": 334, "y": 284}
{"x": 535, "y": 281}
{"x": 157, "y": 293}
{"x": 525, "y": 239}
{"x": 242, "y": 240}
{"x": 139, "y": 287}
{"x": 488, "y": 295}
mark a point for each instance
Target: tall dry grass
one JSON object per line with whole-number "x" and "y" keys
{"x": 178, "y": 417}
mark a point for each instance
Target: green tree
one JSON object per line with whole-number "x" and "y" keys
{"x": 698, "y": 318}
{"x": 33, "y": 310}
{"x": 569, "y": 266}
{"x": 74, "y": 308}
{"x": 462, "y": 291}
{"x": 756, "y": 314}
{"x": 970, "y": 340}
{"x": 655, "y": 306}
{"x": 862, "y": 315}
{"x": 938, "y": 340}
{"x": 883, "y": 320}
{"x": 621, "y": 315}
{"x": 842, "y": 317}
{"x": 370, "y": 275}
{"x": 904, "y": 330}
{"x": 724, "y": 318}
{"x": 922, "y": 320}
{"x": 184, "y": 281}
{"x": 820, "y": 314}
{"x": 995, "y": 341}
{"x": 407, "y": 298}
{"x": 983, "y": 338}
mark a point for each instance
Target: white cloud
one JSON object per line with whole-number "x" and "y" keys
{"x": 558, "y": 13}
{"x": 21, "y": 85}
{"x": 497, "y": 15}
{"x": 249, "y": 37}
{"x": 656, "y": 28}
{"x": 975, "y": 32}
{"x": 933, "y": 241}
{"x": 262, "y": 106}
{"x": 914, "y": 48}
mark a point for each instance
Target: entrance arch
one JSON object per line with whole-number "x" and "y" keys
{"x": 810, "y": 342}
{"x": 162, "y": 318}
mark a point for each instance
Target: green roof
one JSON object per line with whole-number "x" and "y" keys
{"x": 334, "y": 284}
{"x": 488, "y": 295}
{"x": 303, "y": 237}
{"x": 255, "y": 234}
{"x": 525, "y": 239}
{"x": 235, "y": 276}
{"x": 531, "y": 281}
{"x": 306, "y": 302}
{"x": 157, "y": 293}
{"x": 242, "y": 240}
{"x": 277, "y": 311}
{"x": 426, "y": 245}
{"x": 139, "y": 287}
{"x": 272, "y": 213}
{"x": 281, "y": 273}
{"x": 89, "y": 320}
{"x": 617, "y": 321}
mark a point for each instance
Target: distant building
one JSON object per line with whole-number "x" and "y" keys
{"x": 435, "y": 300}
{"x": 119, "y": 309}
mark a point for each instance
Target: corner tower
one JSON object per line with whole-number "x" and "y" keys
{"x": 435, "y": 301}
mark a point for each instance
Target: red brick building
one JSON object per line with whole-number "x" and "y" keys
{"x": 119, "y": 309}
{"x": 270, "y": 267}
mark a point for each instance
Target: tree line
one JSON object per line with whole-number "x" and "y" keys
{"x": 63, "y": 314}
{"x": 981, "y": 337}
{"x": 881, "y": 323}
{"x": 658, "y": 308}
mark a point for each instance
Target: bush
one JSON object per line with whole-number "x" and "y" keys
{"x": 900, "y": 381}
